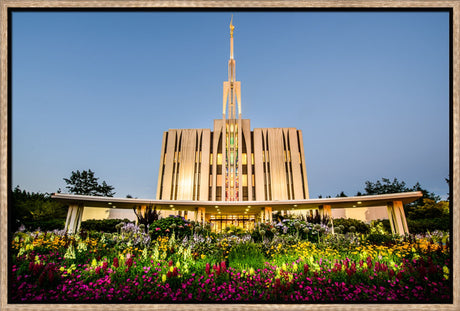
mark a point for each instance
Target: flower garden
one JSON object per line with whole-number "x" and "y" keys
{"x": 175, "y": 260}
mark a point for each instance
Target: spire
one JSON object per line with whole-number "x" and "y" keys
{"x": 232, "y": 91}
{"x": 231, "y": 38}
{"x": 231, "y": 132}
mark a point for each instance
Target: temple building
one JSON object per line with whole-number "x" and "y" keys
{"x": 232, "y": 163}
{"x": 233, "y": 175}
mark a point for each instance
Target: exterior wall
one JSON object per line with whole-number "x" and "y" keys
{"x": 184, "y": 167}
{"x": 269, "y": 164}
{"x": 107, "y": 213}
{"x": 118, "y": 213}
{"x": 95, "y": 213}
{"x": 280, "y": 172}
{"x": 361, "y": 213}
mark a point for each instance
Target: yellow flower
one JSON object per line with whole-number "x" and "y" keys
{"x": 445, "y": 269}
{"x": 163, "y": 278}
{"x": 203, "y": 256}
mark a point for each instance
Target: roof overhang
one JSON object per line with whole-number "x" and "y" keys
{"x": 239, "y": 206}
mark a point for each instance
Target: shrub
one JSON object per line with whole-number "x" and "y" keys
{"x": 424, "y": 225}
{"x": 234, "y": 230}
{"x": 105, "y": 225}
{"x": 45, "y": 225}
{"x": 380, "y": 239}
{"x": 347, "y": 223}
{"x": 166, "y": 226}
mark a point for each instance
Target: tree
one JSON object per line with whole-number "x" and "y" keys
{"x": 341, "y": 195}
{"x": 386, "y": 186}
{"x": 36, "y": 210}
{"x": 85, "y": 183}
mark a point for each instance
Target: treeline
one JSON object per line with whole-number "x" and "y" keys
{"x": 36, "y": 210}
{"x": 428, "y": 213}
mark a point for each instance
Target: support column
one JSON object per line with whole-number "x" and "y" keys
{"x": 74, "y": 216}
{"x": 397, "y": 218}
{"x": 325, "y": 211}
{"x": 200, "y": 215}
{"x": 266, "y": 214}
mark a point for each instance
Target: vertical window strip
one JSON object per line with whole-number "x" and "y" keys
{"x": 301, "y": 167}
{"x": 289, "y": 163}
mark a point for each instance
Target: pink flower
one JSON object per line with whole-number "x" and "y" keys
{"x": 157, "y": 229}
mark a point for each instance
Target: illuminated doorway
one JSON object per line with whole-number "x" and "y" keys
{"x": 220, "y": 222}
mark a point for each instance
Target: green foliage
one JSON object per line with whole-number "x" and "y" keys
{"x": 430, "y": 216}
{"x": 380, "y": 226}
{"x": 347, "y": 223}
{"x": 45, "y": 225}
{"x": 234, "y": 230}
{"x": 29, "y": 208}
{"x": 105, "y": 225}
{"x": 380, "y": 239}
{"x": 428, "y": 225}
{"x": 246, "y": 255}
{"x": 429, "y": 209}
{"x": 166, "y": 226}
{"x": 386, "y": 187}
{"x": 85, "y": 183}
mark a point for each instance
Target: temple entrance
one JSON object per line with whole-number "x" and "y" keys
{"x": 220, "y": 222}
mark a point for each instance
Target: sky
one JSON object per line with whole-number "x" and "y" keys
{"x": 96, "y": 90}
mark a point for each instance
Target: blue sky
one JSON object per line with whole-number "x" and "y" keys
{"x": 96, "y": 90}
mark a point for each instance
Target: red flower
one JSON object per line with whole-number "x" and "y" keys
{"x": 208, "y": 268}
{"x": 129, "y": 262}
{"x": 115, "y": 262}
{"x": 223, "y": 266}
{"x": 391, "y": 273}
{"x": 50, "y": 276}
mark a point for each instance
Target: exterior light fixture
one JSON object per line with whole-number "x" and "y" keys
{"x": 219, "y": 212}
{"x": 113, "y": 206}
{"x": 354, "y": 205}
{"x": 110, "y": 203}
{"x": 173, "y": 209}
{"x": 171, "y": 205}
{"x": 249, "y": 206}
{"x": 359, "y": 202}
{"x": 245, "y": 212}
{"x": 216, "y": 206}
{"x": 295, "y": 205}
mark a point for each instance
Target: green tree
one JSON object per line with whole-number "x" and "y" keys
{"x": 386, "y": 186}
{"x": 341, "y": 195}
{"x": 85, "y": 183}
{"x": 35, "y": 209}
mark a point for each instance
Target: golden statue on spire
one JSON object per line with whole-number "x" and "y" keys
{"x": 231, "y": 27}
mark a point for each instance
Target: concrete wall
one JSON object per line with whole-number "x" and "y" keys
{"x": 362, "y": 213}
